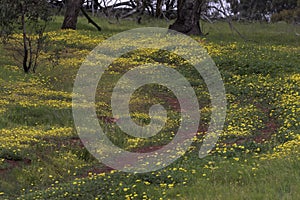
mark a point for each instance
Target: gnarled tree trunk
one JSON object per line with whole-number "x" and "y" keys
{"x": 188, "y": 16}
{"x": 71, "y": 14}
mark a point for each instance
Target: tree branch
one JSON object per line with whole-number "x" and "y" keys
{"x": 229, "y": 20}
{"x": 90, "y": 20}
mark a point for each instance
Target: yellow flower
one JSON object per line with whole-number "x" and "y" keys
{"x": 236, "y": 159}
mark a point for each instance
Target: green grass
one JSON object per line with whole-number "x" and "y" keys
{"x": 110, "y": 26}
{"x": 41, "y": 156}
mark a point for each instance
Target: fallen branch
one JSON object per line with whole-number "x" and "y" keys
{"x": 129, "y": 13}
{"x": 229, "y": 20}
{"x": 90, "y": 20}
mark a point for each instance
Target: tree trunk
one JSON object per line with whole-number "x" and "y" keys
{"x": 71, "y": 14}
{"x": 188, "y": 16}
{"x": 26, "y": 67}
{"x": 158, "y": 12}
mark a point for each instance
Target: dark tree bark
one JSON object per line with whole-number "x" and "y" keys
{"x": 90, "y": 20}
{"x": 170, "y": 5}
{"x": 26, "y": 66}
{"x": 72, "y": 12}
{"x": 158, "y": 12}
{"x": 188, "y": 16}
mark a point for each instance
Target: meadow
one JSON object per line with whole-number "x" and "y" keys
{"x": 256, "y": 157}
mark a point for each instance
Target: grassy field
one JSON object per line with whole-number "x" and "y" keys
{"x": 257, "y": 156}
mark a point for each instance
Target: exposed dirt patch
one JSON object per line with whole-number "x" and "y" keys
{"x": 266, "y": 133}
{"x": 13, "y": 164}
{"x": 147, "y": 149}
{"x": 74, "y": 142}
{"x": 98, "y": 170}
{"x": 270, "y": 126}
{"x": 263, "y": 136}
{"x": 107, "y": 120}
{"x": 172, "y": 102}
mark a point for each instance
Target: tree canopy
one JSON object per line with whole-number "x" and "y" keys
{"x": 31, "y": 18}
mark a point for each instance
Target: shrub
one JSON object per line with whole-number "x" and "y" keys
{"x": 289, "y": 16}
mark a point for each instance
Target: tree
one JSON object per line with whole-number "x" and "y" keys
{"x": 71, "y": 14}
{"x": 159, "y": 5}
{"x": 291, "y": 15}
{"x": 259, "y": 9}
{"x": 188, "y": 13}
{"x": 280, "y": 5}
{"x": 31, "y": 18}
{"x": 73, "y": 7}
{"x": 188, "y": 16}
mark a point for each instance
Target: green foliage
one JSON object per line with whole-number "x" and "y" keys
{"x": 280, "y": 5}
{"x": 31, "y": 18}
{"x": 259, "y": 9}
{"x": 8, "y": 16}
{"x": 12, "y": 11}
{"x": 289, "y": 16}
{"x": 32, "y": 116}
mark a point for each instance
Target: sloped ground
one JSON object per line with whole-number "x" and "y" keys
{"x": 41, "y": 156}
